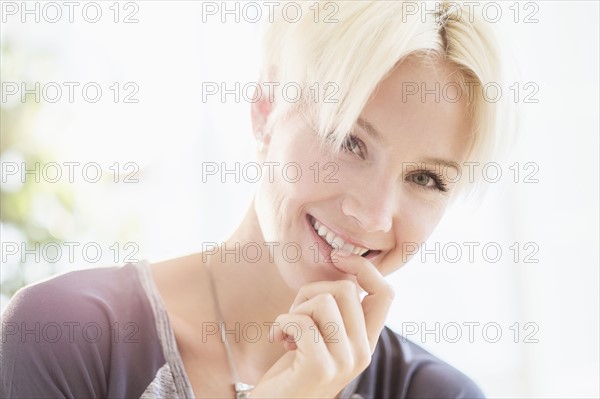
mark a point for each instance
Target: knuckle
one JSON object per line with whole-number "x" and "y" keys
{"x": 279, "y": 320}
{"x": 346, "y": 286}
{"x": 304, "y": 321}
{"x": 389, "y": 292}
{"x": 328, "y": 371}
{"x": 296, "y": 325}
{"x": 346, "y": 366}
{"x": 363, "y": 357}
{"x": 326, "y": 299}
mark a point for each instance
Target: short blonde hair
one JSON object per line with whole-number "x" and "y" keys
{"x": 363, "y": 44}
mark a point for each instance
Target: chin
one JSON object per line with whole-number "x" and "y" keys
{"x": 311, "y": 267}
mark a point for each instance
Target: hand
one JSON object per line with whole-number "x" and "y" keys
{"x": 334, "y": 333}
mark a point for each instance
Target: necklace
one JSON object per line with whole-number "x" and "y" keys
{"x": 242, "y": 390}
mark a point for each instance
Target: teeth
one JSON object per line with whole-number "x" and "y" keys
{"x": 338, "y": 242}
{"x": 329, "y": 237}
{"x": 335, "y": 241}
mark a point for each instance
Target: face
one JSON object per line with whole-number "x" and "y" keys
{"x": 384, "y": 193}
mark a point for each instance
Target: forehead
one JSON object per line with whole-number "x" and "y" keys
{"x": 422, "y": 107}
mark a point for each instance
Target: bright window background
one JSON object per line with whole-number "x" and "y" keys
{"x": 169, "y": 212}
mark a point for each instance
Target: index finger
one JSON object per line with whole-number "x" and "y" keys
{"x": 380, "y": 294}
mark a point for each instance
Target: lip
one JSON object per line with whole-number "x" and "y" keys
{"x": 324, "y": 247}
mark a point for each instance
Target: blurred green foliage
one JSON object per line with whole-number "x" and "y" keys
{"x": 16, "y": 143}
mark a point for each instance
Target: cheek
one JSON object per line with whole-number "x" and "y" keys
{"x": 411, "y": 229}
{"x": 301, "y": 171}
{"x": 288, "y": 184}
{"x": 273, "y": 202}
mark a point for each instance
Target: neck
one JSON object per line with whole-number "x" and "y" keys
{"x": 251, "y": 292}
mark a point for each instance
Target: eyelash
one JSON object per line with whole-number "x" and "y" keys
{"x": 353, "y": 139}
{"x": 440, "y": 185}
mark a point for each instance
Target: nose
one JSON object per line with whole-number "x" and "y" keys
{"x": 372, "y": 205}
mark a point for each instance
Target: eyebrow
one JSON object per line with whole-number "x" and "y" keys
{"x": 369, "y": 129}
{"x": 444, "y": 162}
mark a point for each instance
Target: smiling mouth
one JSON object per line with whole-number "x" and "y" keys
{"x": 336, "y": 242}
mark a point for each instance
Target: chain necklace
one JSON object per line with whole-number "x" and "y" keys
{"x": 242, "y": 390}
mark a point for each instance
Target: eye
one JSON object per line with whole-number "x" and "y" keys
{"x": 354, "y": 145}
{"x": 428, "y": 181}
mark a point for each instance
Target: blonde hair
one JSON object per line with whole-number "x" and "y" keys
{"x": 362, "y": 45}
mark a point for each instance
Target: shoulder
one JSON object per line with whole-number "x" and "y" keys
{"x": 66, "y": 335}
{"x": 77, "y": 284}
{"x": 400, "y": 368}
{"x": 98, "y": 295}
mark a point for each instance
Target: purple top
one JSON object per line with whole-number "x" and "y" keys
{"x": 105, "y": 333}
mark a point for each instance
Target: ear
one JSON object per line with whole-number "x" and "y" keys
{"x": 260, "y": 112}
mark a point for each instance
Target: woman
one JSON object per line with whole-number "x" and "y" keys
{"x": 293, "y": 304}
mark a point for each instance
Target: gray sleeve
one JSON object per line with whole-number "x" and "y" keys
{"x": 438, "y": 380}
{"x": 84, "y": 334}
{"x": 402, "y": 369}
{"x": 44, "y": 351}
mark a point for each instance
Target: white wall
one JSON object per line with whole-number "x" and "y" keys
{"x": 169, "y": 53}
